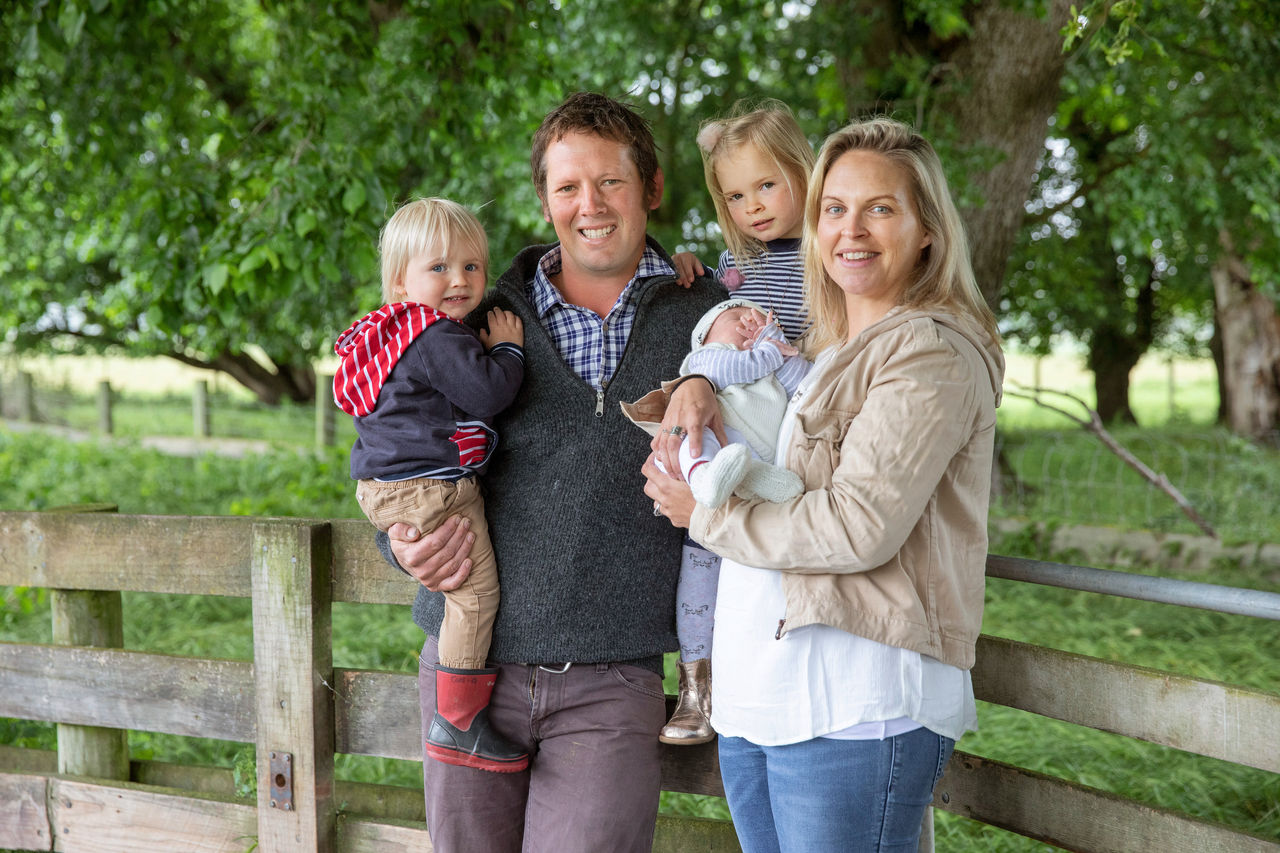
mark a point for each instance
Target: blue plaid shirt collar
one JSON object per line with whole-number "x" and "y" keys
{"x": 544, "y": 295}
{"x": 592, "y": 346}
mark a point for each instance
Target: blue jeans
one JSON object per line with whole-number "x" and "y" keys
{"x": 850, "y": 796}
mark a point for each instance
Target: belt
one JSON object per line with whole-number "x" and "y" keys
{"x": 559, "y": 669}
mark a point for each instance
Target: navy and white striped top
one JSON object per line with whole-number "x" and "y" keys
{"x": 775, "y": 280}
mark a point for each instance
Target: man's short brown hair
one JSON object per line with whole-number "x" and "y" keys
{"x": 589, "y": 112}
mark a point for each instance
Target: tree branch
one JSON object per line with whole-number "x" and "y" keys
{"x": 1093, "y": 424}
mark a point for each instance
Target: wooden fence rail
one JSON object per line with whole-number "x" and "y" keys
{"x": 25, "y": 408}
{"x": 298, "y": 710}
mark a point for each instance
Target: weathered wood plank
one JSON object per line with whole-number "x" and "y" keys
{"x": 377, "y": 713}
{"x": 293, "y": 674}
{"x": 692, "y": 769}
{"x": 128, "y": 690}
{"x": 694, "y": 835}
{"x": 24, "y": 813}
{"x": 1075, "y": 817}
{"x": 1224, "y": 721}
{"x": 176, "y": 554}
{"x": 92, "y": 818}
{"x": 90, "y": 618}
{"x": 146, "y": 553}
{"x": 360, "y": 574}
{"x": 359, "y": 835}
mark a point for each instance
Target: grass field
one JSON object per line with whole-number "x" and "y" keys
{"x": 1062, "y": 477}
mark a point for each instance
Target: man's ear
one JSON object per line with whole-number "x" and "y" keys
{"x": 655, "y": 197}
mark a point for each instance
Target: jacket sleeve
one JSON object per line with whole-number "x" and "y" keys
{"x": 456, "y": 364}
{"x": 869, "y": 475}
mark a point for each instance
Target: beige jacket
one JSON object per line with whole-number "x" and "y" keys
{"x": 894, "y": 441}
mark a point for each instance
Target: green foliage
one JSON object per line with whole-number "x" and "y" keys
{"x": 43, "y": 472}
{"x": 1157, "y": 167}
{"x": 1200, "y": 644}
{"x": 207, "y": 179}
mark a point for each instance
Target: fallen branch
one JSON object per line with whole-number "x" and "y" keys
{"x": 1094, "y": 425}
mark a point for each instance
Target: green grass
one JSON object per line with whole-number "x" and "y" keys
{"x": 1063, "y": 476}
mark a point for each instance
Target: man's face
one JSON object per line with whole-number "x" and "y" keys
{"x": 597, "y": 204}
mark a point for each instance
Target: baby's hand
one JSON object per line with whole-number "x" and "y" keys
{"x": 783, "y": 347}
{"x": 752, "y": 324}
{"x": 504, "y": 327}
{"x": 688, "y": 267}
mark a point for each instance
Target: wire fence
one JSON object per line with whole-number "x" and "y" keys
{"x": 1070, "y": 476}
{"x": 1050, "y": 475}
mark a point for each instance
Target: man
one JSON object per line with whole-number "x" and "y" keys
{"x": 587, "y": 568}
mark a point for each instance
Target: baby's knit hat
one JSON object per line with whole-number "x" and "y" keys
{"x": 704, "y": 323}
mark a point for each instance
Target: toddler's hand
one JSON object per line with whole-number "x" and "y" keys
{"x": 504, "y": 327}
{"x": 688, "y": 267}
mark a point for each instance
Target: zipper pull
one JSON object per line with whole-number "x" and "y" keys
{"x": 600, "y": 403}
{"x": 781, "y": 622}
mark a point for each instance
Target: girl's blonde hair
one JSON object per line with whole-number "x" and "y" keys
{"x": 420, "y": 226}
{"x": 943, "y": 277}
{"x": 773, "y": 130}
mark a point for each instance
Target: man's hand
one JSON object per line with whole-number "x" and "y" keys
{"x": 693, "y": 406}
{"x": 439, "y": 559}
{"x": 504, "y": 327}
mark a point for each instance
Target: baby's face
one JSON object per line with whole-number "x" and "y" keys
{"x": 736, "y": 327}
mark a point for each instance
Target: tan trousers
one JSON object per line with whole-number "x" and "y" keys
{"x": 425, "y": 504}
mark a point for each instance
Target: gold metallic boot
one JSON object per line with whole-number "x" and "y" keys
{"x": 690, "y": 723}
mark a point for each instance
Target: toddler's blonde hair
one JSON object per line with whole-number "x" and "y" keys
{"x": 773, "y": 130}
{"x": 420, "y": 226}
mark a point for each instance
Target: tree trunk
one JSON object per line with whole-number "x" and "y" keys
{"x": 1111, "y": 387}
{"x": 1006, "y": 86}
{"x": 1250, "y": 350}
{"x": 297, "y": 382}
{"x": 997, "y": 87}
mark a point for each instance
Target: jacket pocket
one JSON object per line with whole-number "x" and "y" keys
{"x": 815, "y": 447}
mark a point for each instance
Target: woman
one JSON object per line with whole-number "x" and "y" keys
{"x": 847, "y": 617}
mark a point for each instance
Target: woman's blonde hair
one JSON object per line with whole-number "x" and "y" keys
{"x": 943, "y": 277}
{"x": 422, "y": 225}
{"x": 773, "y": 130}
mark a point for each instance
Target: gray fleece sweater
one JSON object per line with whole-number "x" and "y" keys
{"x": 588, "y": 573}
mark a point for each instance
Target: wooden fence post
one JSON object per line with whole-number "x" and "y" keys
{"x": 26, "y": 398}
{"x": 200, "y": 408}
{"x": 105, "y": 425}
{"x": 324, "y": 410}
{"x": 95, "y": 618}
{"x": 293, "y": 671}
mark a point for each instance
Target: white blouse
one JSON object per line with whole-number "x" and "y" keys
{"x": 819, "y": 681}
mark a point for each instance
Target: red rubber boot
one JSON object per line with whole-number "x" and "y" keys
{"x": 460, "y": 732}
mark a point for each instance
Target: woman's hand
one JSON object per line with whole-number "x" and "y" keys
{"x": 692, "y": 406}
{"x": 439, "y": 559}
{"x": 671, "y": 498}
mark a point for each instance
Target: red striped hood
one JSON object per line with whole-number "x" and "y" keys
{"x": 371, "y": 347}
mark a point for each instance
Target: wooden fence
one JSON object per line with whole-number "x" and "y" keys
{"x": 299, "y": 710}
{"x": 25, "y": 409}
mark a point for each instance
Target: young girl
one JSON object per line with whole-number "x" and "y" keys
{"x": 757, "y": 167}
